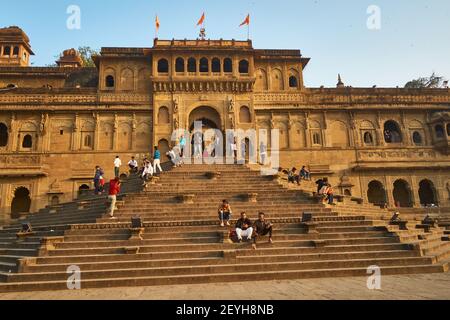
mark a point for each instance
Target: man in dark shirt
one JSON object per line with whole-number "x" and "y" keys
{"x": 262, "y": 227}
{"x": 244, "y": 227}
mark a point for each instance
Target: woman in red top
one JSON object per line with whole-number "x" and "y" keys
{"x": 114, "y": 189}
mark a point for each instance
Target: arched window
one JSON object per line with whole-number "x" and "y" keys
{"x": 179, "y": 65}
{"x": 316, "y": 139}
{"x": 392, "y": 133}
{"x": 11, "y": 85}
{"x": 244, "y": 115}
{"x": 27, "y": 142}
{"x": 293, "y": 82}
{"x": 88, "y": 141}
{"x": 417, "y": 138}
{"x": 163, "y": 66}
{"x": 109, "y": 81}
{"x": 368, "y": 139}
{"x": 215, "y": 65}
{"x": 439, "y": 131}
{"x": 192, "y": 65}
{"x": 243, "y": 67}
{"x": 204, "y": 67}
{"x": 163, "y": 115}
{"x": 227, "y": 65}
{"x": 7, "y": 51}
{"x": 16, "y": 51}
{"x": 3, "y": 135}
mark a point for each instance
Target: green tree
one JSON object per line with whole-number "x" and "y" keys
{"x": 434, "y": 81}
{"x": 86, "y": 54}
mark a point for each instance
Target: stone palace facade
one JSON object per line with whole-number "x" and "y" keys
{"x": 385, "y": 145}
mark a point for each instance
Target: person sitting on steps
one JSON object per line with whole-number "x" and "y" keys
{"x": 244, "y": 228}
{"x": 305, "y": 174}
{"x": 262, "y": 227}
{"x": 133, "y": 165}
{"x": 293, "y": 176}
{"x": 225, "y": 213}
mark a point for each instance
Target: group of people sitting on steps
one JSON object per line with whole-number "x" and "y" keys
{"x": 295, "y": 177}
{"x": 245, "y": 229}
{"x": 325, "y": 191}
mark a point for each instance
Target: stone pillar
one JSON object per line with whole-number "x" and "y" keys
{"x": 389, "y": 190}
{"x": 116, "y": 133}
{"x": 307, "y": 131}
{"x": 325, "y": 130}
{"x": 133, "y": 132}
{"x": 76, "y": 134}
{"x": 96, "y": 132}
{"x": 13, "y": 134}
{"x": 415, "y": 198}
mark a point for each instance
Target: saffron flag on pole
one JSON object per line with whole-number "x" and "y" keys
{"x": 246, "y": 21}
{"x": 202, "y": 20}
{"x": 157, "y": 23}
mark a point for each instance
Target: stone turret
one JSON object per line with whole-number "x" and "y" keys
{"x": 15, "y": 49}
{"x": 340, "y": 84}
{"x": 70, "y": 58}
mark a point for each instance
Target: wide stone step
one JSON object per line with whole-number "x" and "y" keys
{"x": 222, "y": 277}
{"x": 144, "y": 262}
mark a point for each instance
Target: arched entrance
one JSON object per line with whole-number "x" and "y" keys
{"x": 163, "y": 147}
{"x": 402, "y": 194}
{"x": 209, "y": 119}
{"x": 83, "y": 190}
{"x": 427, "y": 193}
{"x": 21, "y": 202}
{"x": 376, "y": 193}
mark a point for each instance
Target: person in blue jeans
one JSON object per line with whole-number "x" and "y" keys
{"x": 157, "y": 160}
{"x": 225, "y": 213}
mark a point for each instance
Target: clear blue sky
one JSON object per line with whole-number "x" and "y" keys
{"x": 413, "y": 40}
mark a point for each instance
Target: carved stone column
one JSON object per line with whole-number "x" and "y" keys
{"x": 76, "y": 134}
{"x": 116, "y": 133}
{"x": 13, "y": 133}
{"x": 97, "y": 130}
{"x": 133, "y": 132}
{"x": 325, "y": 130}
{"x": 307, "y": 131}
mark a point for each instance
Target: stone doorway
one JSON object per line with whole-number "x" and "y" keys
{"x": 376, "y": 193}
{"x": 209, "y": 119}
{"x": 21, "y": 202}
{"x": 402, "y": 194}
{"x": 427, "y": 193}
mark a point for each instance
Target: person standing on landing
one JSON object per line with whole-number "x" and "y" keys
{"x": 117, "y": 165}
{"x": 157, "y": 161}
{"x": 114, "y": 189}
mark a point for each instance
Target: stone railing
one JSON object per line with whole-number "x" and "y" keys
{"x": 353, "y": 96}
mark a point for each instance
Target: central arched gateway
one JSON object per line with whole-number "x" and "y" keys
{"x": 209, "y": 117}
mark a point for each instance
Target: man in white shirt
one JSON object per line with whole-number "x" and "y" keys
{"x": 148, "y": 172}
{"x": 133, "y": 164}
{"x": 117, "y": 165}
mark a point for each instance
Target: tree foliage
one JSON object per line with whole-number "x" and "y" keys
{"x": 434, "y": 81}
{"x": 86, "y": 54}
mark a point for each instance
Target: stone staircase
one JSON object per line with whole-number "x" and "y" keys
{"x": 182, "y": 243}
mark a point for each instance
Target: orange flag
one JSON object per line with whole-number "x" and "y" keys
{"x": 157, "y": 23}
{"x": 202, "y": 19}
{"x": 246, "y": 21}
